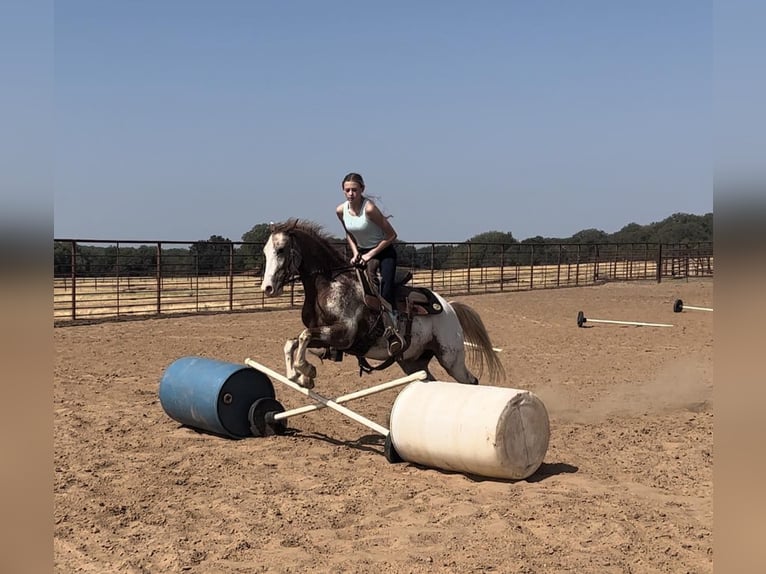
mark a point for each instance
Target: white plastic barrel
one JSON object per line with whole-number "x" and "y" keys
{"x": 483, "y": 430}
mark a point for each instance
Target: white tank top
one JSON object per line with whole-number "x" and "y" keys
{"x": 367, "y": 233}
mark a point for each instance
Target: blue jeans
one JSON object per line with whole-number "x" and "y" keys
{"x": 387, "y": 267}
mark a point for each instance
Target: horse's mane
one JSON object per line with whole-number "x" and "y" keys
{"x": 315, "y": 234}
{"x": 311, "y": 228}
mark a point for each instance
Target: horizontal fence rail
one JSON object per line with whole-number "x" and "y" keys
{"x": 101, "y": 280}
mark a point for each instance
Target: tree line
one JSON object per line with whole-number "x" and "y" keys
{"x": 219, "y": 255}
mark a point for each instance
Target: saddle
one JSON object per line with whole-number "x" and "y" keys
{"x": 416, "y": 300}
{"x": 410, "y": 301}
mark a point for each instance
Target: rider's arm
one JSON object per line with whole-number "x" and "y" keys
{"x": 374, "y": 214}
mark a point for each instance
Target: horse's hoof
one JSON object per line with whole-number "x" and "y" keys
{"x": 306, "y": 382}
{"x": 307, "y": 370}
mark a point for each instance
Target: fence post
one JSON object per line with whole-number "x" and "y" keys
{"x": 118, "y": 277}
{"x": 159, "y": 277}
{"x": 659, "y": 263}
{"x": 646, "y": 260}
{"x": 577, "y": 266}
{"x": 468, "y": 278}
{"x": 231, "y": 276}
{"x": 196, "y": 281}
{"x": 502, "y": 267}
{"x": 73, "y": 275}
{"x": 595, "y": 263}
{"x": 433, "y": 254}
{"x": 531, "y": 264}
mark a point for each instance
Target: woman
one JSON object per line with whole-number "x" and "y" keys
{"x": 370, "y": 236}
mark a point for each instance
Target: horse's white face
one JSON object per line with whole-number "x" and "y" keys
{"x": 281, "y": 264}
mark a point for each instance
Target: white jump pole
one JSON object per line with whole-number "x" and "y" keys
{"x": 473, "y": 345}
{"x": 639, "y": 323}
{"x": 334, "y": 404}
{"x": 418, "y": 376}
{"x": 679, "y": 306}
{"x": 581, "y": 320}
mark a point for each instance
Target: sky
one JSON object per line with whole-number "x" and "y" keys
{"x": 182, "y": 119}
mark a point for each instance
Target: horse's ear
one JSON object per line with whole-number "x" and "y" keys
{"x": 294, "y": 224}
{"x": 272, "y": 226}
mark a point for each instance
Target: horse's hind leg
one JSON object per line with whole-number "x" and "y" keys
{"x": 453, "y": 361}
{"x": 411, "y": 366}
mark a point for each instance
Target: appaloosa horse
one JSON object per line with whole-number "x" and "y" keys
{"x": 338, "y": 316}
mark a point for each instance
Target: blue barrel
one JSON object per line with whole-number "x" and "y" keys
{"x": 213, "y": 395}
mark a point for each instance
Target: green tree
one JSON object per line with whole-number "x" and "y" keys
{"x": 632, "y": 233}
{"x": 677, "y": 228}
{"x": 251, "y": 250}
{"x": 178, "y": 262}
{"x": 62, "y": 258}
{"x": 212, "y": 256}
{"x": 685, "y": 228}
{"x": 440, "y": 255}
{"x": 138, "y": 261}
{"x": 487, "y": 248}
{"x": 590, "y": 236}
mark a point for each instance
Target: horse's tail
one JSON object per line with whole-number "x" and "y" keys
{"x": 478, "y": 344}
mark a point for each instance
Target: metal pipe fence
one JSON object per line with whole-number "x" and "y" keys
{"x": 106, "y": 280}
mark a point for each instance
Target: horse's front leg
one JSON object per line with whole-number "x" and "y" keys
{"x": 290, "y": 347}
{"x": 307, "y": 370}
{"x": 339, "y": 336}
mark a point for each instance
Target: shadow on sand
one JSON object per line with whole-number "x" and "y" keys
{"x": 375, "y": 443}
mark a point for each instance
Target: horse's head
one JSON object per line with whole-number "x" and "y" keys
{"x": 297, "y": 248}
{"x": 282, "y": 262}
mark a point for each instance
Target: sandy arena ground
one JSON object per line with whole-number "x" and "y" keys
{"x": 626, "y": 486}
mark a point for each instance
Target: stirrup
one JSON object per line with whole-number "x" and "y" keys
{"x": 394, "y": 340}
{"x": 395, "y": 345}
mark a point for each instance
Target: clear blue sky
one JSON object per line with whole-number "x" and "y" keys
{"x": 176, "y": 120}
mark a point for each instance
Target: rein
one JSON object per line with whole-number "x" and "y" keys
{"x": 332, "y": 271}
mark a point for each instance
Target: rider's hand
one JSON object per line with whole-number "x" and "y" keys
{"x": 359, "y": 260}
